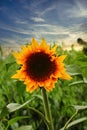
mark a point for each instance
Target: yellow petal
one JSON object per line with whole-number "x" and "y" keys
{"x": 16, "y": 54}
{"x": 66, "y": 76}
{"x": 50, "y": 87}
{"x": 19, "y": 75}
{"x": 54, "y": 49}
{"x": 30, "y": 87}
{"x": 44, "y": 45}
{"x": 61, "y": 58}
{"x": 34, "y": 44}
{"x": 23, "y": 47}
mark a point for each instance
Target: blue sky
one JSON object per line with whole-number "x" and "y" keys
{"x": 55, "y": 20}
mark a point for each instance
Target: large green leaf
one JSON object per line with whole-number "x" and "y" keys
{"x": 85, "y": 80}
{"x": 13, "y": 120}
{"x": 27, "y": 127}
{"x": 40, "y": 114}
{"x": 15, "y": 106}
{"x": 75, "y": 122}
{"x": 80, "y": 108}
{"x": 4, "y": 112}
{"x": 39, "y": 96}
{"x": 8, "y": 65}
{"x": 73, "y": 69}
{"x": 77, "y": 82}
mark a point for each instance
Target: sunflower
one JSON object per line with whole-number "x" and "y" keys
{"x": 40, "y": 67}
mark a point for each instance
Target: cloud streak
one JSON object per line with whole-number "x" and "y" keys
{"x": 37, "y": 19}
{"x": 79, "y": 10}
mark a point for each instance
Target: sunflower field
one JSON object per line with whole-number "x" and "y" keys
{"x": 21, "y": 110}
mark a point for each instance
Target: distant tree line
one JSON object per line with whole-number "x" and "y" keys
{"x": 81, "y": 41}
{"x": 84, "y": 44}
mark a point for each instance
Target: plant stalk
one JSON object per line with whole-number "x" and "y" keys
{"x": 67, "y": 123}
{"x": 47, "y": 110}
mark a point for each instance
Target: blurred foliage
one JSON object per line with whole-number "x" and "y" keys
{"x": 62, "y": 98}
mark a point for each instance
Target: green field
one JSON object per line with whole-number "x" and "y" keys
{"x": 66, "y": 98}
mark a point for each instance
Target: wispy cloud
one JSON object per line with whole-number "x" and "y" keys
{"x": 51, "y": 29}
{"x": 9, "y": 42}
{"x": 15, "y": 30}
{"x": 45, "y": 11}
{"x": 19, "y": 21}
{"x": 79, "y": 10}
{"x": 59, "y": 33}
{"x": 75, "y": 32}
{"x": 37, "y": 19}
{"x": 3, "y": 8}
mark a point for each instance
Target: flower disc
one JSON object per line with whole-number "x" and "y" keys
{"x": 39, "y": 66}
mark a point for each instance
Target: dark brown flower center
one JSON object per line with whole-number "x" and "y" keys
{"x": 39, "y": 66}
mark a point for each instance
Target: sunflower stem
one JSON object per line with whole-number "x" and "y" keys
{"x": 47, "y": 110}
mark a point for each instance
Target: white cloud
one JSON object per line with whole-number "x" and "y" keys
{"x": 19, "y": 21}
{"x": 37, "y": 19}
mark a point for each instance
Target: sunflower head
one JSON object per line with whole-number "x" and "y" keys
{"x": 40, "y": 67}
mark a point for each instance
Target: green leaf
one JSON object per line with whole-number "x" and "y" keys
{"x": 13, "y": 120}
{"x": 75, "y": 122}
{"x": 39, "y": 96}
{"x": 73, "y": 69}
{"x": 27, "y": 127}
{"x": 20, "y": 88}
{"x": 77, "y": 82}
{"x": 15, "y": 106}
{"x": 84, "y": 72}
{"x": 68, "y": 122}
{"x": 40, "y": 114}
{"x": 8, "y": 65}
{"x": 80, "y": 108}
{"x": 85, "y": 80}
{"x": 4, "y": 112}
